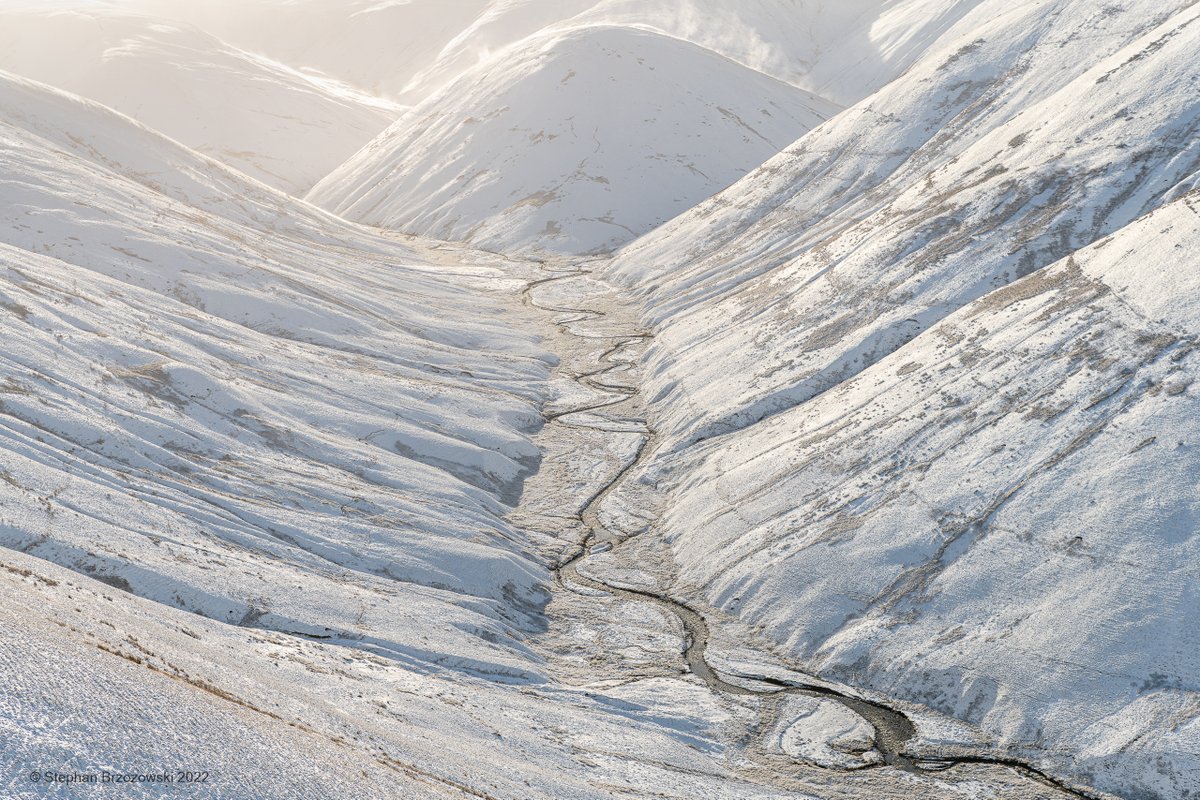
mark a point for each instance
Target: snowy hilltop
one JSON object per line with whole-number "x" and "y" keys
{"x": 577, "y": 143}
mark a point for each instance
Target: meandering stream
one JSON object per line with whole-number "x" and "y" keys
{"x": 893, "y": 730}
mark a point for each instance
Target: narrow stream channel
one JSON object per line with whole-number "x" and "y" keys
{"x": 893, "y": 729}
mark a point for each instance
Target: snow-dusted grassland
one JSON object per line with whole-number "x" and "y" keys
{"x": 601, "y": 398}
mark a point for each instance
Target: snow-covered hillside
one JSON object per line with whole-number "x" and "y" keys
{"x": 999, "y": 520}
{"x": 203, "y": 373}
{"x": 872, "y": 475}
{"x": 577, "y": 143}
{"x": 273, "y": 122}
{"x": 256, "y": 469}
{"x": 924, "y": 436}
{"x": 1006, "y": 148}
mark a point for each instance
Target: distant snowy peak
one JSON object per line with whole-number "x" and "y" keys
{"x": 375, "y": 45}
{"x": 281, "y": 126}
{"x": 410, "y": 49}
{"x": 841, "y": 51}
{"x": 576, "y": 142}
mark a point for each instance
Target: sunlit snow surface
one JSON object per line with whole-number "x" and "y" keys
{"x": 924, "y": 435}
{"x": 280, "y": 495}
{"x": 576, "y": 143}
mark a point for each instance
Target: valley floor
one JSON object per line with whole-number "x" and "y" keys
{"x": 621, "y": 626}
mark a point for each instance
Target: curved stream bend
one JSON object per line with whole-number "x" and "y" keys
{"x": 893, "y": 729}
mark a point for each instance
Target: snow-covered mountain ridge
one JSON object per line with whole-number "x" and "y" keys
{"x": 923, "y": 387}
{"x": 905, "y": 207}
{"x": 275, "y": 123}
{"x": 550, "y": 127}
{"x": 407, "y": 50}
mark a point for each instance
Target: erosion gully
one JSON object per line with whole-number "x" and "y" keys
{"x": 893, "y": 729}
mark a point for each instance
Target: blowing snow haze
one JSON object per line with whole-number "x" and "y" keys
{"x": 514, "y": 399}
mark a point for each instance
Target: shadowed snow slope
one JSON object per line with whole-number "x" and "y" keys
{"x": 926, "y": 424}
{"x": 190, "y": 380}
{"x": 283, "y": 127}
{"x": 578, "y": 142}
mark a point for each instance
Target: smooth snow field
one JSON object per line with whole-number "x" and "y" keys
{"x": 515, "y": 399}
